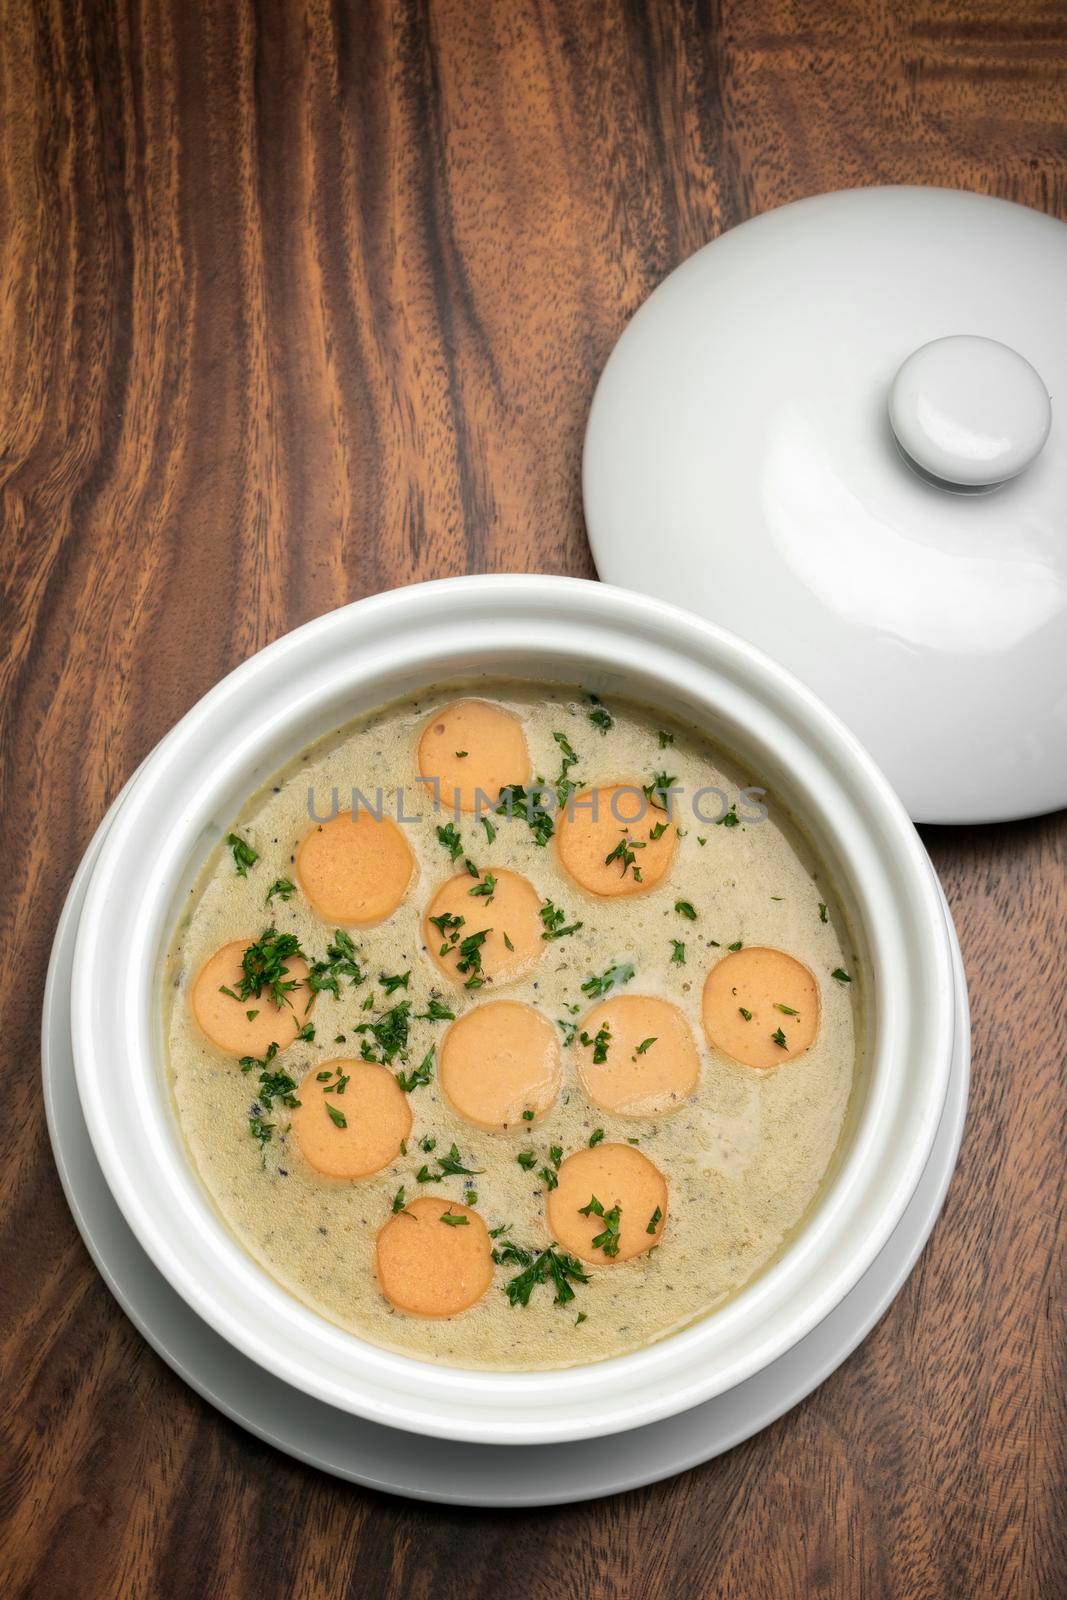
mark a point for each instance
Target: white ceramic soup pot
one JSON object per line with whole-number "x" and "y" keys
{"x": 541, "y": 629}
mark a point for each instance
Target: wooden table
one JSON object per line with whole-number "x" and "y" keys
{"x": 299, "y": 301}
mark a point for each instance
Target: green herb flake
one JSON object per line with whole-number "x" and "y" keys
{"x": 420, "y": 1076}
{"x": 779, "y": 1039}
{"x": 823, "y": 913}
{"x": 555, "y": 922}
{"x": 284, "y": 888}
{"x": 678, "y": 952}
{"x": 746, "y": 1014}
{"x": 595, "y": 1138}
{"x": 600, "y": 716}
{"x": 686, "y": 908}
{"x": 340, "y": 962}
{"x": 840, "y": 975}
{"x": 449, "y": 837}
{"x": 337, "y": 1117}
{"x": 730, "y": 820}
{"x": 646, "y": 1044}
{"x": 654, "y": 1220}
{"x": 455, "y": 1219}
{"x": 515, "y": 800}
{"x": 613, "y": 978}
{"x": 243, "y": 854}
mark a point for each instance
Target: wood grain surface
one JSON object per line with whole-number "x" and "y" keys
{"x": 302, "y": 300}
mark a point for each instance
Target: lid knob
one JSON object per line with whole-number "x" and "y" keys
{"x": 969, "y": 411}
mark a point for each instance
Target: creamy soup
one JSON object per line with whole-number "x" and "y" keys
{"x": 511, "y": 1029}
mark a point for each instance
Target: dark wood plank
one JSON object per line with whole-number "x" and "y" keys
{"x": 302, "y": 300}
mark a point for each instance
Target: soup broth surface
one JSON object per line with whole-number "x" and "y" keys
{"x": 743, "y": 1155}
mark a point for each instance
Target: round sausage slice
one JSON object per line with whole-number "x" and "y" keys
{"x": 761, "y": 1006}
{"x": 430, "y": 1267}
{"x": 353, "y": 1121}
{"x": 613, "y": 841}
{"x": 355, "y": 872}
{"x": 499, "y": 1061}
{"x": 509, "y": 917}
{"x": 636, "y": 1056}
{"x": 245, "y": 1027}
{"x": 470, "y": 751}
{"x": 592, "y": 1184}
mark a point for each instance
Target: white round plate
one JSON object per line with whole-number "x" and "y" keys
{"x": 437, "y": 1469}
{"x": 830, "y": 431}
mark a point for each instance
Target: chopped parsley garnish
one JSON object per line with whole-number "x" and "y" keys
{"x": 527, "y": 1159}
{"x": 389, "y": 1032}
{"x": 624, "y": 852}
{"x": 654, "y": 1220}
{"x": 460, "y": 754}
{"x": 515, "y": 800}
{"x": 448, "y": 925}
{"x": 390, "y": 982}
{"x": 613, "y": 978}
{"x": 340, "y": 962}
{"x": 555, "y": 922}
{"x": 569, "y": 1029}
{"x": 685, "y": 908}
{"x": 399, "y": 1201}
{"x": 823, "y": 915}
{"x": 436, "y": 1011}
{"x": 549, "y": 1265}
{"x": 449, "y": 837}
{"x": 452, "y": 1165}
{"x": 486, "y": 888}
{"x": 735, "y": 946}
{"x": 550, "y": 1179}
{"x": 259, "y": 1129}
{"x": 243, "y": 854}
{"x": 646, "y": 1044}
{"x": 599, "y": 1042}
{"x": 420, "y": 1076}
{"x": 665, "y": 738}
{"x": 263, "y": 967}
{"x": 470, "y": 958}
{"x": 470, "y": 1197}
{"x": 779, "y": 1039}
{"x": 427, "y": 1143}
{"x": 455, "y": 1219}
{"x": 678, "y": 952}
{"x": 527, "y": 1116}
{"x": 657, "y": 831}
{"x": 840, "y": 975}
{"x": 661, "y": 785}
{"x": 337, "y": 1117}
{"x": 565, "y": 785}
{"x": 730, "y": 820}
{"x": 284, "y": 888}
{"x": 595, "y": 1138}
{"x": 746, "y": 1014}
{"x": 608, "y": 1241}
{"x": 600, "y": 716}
{"x": 490, "y": 831}
{"x": 788, "y": 1011}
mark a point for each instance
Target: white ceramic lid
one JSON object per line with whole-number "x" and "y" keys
{"x": 831, "y": 431}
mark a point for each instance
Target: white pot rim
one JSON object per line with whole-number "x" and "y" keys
{"x": 541, "y": 628}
